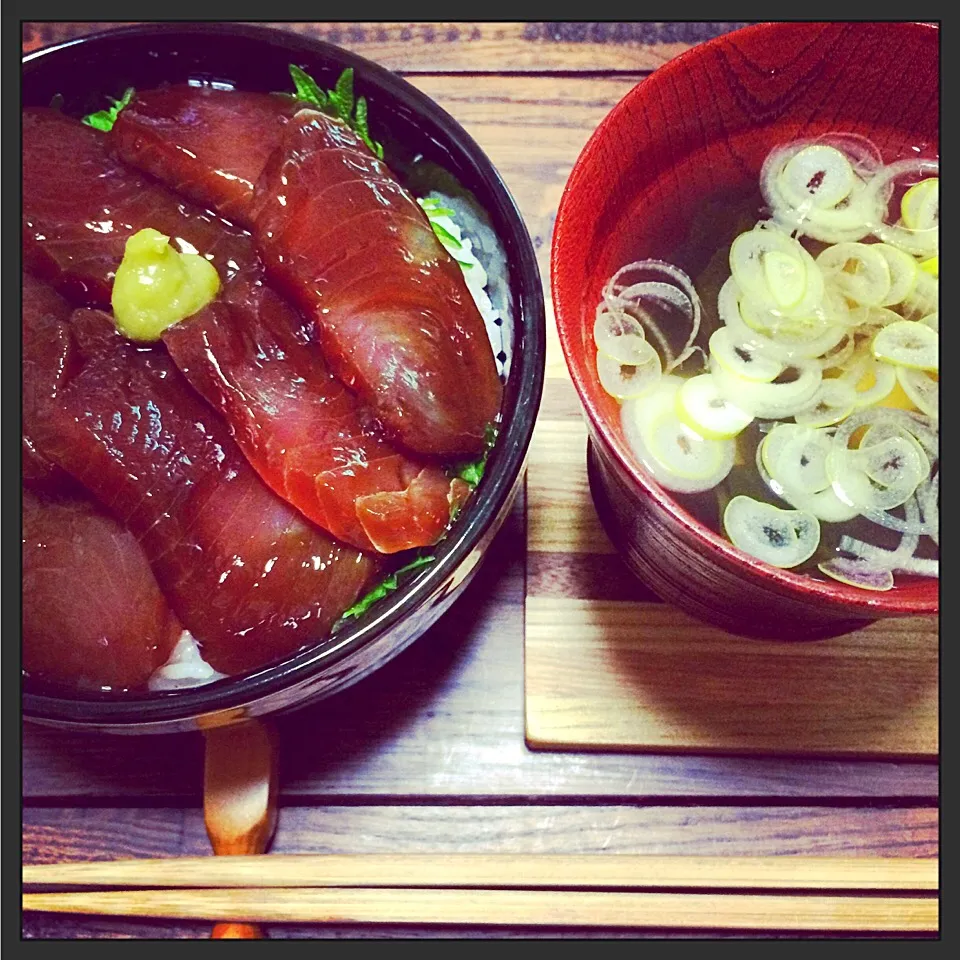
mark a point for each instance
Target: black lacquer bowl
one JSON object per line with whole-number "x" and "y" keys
{"x": 416, "y": 133}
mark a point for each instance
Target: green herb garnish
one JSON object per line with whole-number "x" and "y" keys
{"x": 342, "y": 95}
{"x": 306, "y": 87}
{"x": 431, "y": 207}
{"x": 444, "y": 234}
{"x": 105, "y": 119}
{"x": 386, "y": 586}
{"x": 472, "y": 473}
{"x": 338, "y": 102}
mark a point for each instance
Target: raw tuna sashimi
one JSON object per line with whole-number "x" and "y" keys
{"x": 247, "y": 575}
{"x": 398, "y": 325}
{"x": 48, "y": 358}
{"x": 80, "y": 205}
{"x": 209, "y": 145}
{"x": 252, "y": 356}
{"x": 93, "y": 615}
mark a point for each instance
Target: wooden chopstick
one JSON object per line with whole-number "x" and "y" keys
{"x": 517, "y": 871}
{"x": 551, "y": 908}
{"x": 240, "y": 798}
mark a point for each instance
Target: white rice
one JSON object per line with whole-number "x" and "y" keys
{"x": 487, "y": 277}
{"x": 185, "y": 668}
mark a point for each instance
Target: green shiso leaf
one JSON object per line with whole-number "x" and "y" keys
{"x": 360, "y": 125}
{"x": 105, "y": 119}
{"x": 306, "y": 87}
{"x": 472, "y": 473}
{"x": 338, "y": 103}
{"x": 342, "y": 95}
{"x": 437, "y": 211}
{"x": 360, "y": 120}
{"x": 444, "y": 234}
{"x": 386, "y": 586}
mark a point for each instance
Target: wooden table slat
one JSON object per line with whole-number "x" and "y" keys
{"x": 476, "y": 46}
{"x": 107, "y": 833}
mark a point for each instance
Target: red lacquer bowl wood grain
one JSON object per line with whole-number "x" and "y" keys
{"x": 679, "y": 150}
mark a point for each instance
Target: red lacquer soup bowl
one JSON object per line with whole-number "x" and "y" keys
{"x": 661, "y": 178}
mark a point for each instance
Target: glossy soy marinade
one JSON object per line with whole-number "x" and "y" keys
{"x": 48, "y": 358}
{"x": 247, "y": 575}
{"x": 94, "y": 617}
{"x": 397, "y": 323}
{"x": 249, "y": 354}
{"x": 345, "y": 241}
{"x": 208, "y": 144}
{"x": 81, "y": 205}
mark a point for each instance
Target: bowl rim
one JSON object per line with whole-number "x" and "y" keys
{"x": 798, "y": 586}
{"x": 506, "y": 461}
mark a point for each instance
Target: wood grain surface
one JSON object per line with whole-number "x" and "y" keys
{"x": 472, "y": 47}
{"x": 504, "y": 871}
{"x": 609, "y": 666}
{"x": 557, "y": 909}
{"x": 428, "y": 754}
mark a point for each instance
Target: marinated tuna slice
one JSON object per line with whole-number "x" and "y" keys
{"x": 252, "y": 356}
{"x": 80, "y": 205}
{"x": 247, "y": 575}
{"x": 48, "y": 358}
{"x": 209, "y": 145}
{"x": 397, "y": 323}
{"x": 93, "y": 615}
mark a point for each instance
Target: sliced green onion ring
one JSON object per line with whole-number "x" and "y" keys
{"x": 924, "y": 299}
{"x": 773, "y": 400}
{"x": 857, "y": 572}
{"x": 677, "y": 457}
{"x": 920, "y": 205}
{"x": 826, "y": 506}
{"x": 625, "y": 381}
{"x": 618, "y": 335}
{"x": 858, "y": 271}
{"x": 817, "y": 176}
{"x": 834, "y": 400}
{"x": 880, "y": 477}
{"x": 904, "y": 271}
{"x": 869, "y": 320}
{"x": 787, "y": 284}
{"x": 782, "y": 538}
{"x": 924, "y": 242}
{"x": 786, "y": 351}
{"x": 884, "y": 380}
{"x": 799, "y": 463}
{"x": 701, "y": 406}
{"x": 848, "y": 219}
{"x": 908, "y": 343}
{"x": 682, "y": 285}
{"x": 922, "y": 390}
{"x": 744, "y": 359}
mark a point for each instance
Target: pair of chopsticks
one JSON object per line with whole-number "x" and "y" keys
{"x": 894, "y": 895}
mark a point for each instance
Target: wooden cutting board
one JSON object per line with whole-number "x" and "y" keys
{"x": 608, "y": 666}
